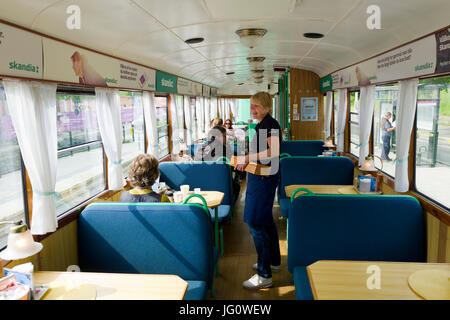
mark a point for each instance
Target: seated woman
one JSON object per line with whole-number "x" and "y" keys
{"x": 142, "y": 174}
{"x": 216, "y": 147}
{"x": 230, "y": 131}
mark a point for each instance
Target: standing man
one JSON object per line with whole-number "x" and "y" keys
{"x": 264, "y": 149}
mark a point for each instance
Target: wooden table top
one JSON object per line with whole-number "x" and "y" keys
{"x": 213, "y": 198}
{"x": 347, "y": 280}
{"x": 112, "y": 286}
{"x": 321, "y": 189}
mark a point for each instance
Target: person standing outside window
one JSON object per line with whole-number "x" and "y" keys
{"x": 260, "y": 195}
{"x": 387, "y": 129}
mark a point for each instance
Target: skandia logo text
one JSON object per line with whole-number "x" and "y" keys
{"x": 326, "y": 83}
{"x": 108, "y": 80}
{"x": 25, "y": 67}
{"x": 167, "y": 83}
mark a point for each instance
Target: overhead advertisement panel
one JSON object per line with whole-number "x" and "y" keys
{"x": 423, "y": 57}
{"x": 185, "y": 87}
{"x": 20, "y": 53}
{"x": 166, "y": 82}
{"x": 136, "y": 77}
{"x": 198, "y": 89}
{"x": 206, "y": 91}
{"x": 68, "y": 63}
{"x": 413, "y": 60}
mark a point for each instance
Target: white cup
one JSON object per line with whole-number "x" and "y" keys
{"x": 184, "y": 189}
{"x": 162, "y": 185}
{"x": 197, "y": 190}
{"x": 178, "y": 196}
{"x": 364, "y": 185}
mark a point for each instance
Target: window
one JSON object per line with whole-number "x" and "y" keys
{"x": 384, "y": 116}
{"x": 162, "y": 124}
{"x": 432, "y": 171}
{"x": 133, "y": 143}
{"x": 180, "y": 115}
{"x": 11, "y": 188}
{"x": 354, "y": 123}
{"x": 80, "y": 173}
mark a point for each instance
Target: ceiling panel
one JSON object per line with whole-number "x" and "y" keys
{"x": 99, "y": 28}
{"x": 224, "y": 50}
{"x": 23, "y": 12}
{"x": 326, "y": 10}
{"x": 248, "y": 9}
{"x": 193, "y": 11}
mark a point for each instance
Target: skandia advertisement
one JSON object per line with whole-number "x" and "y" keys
{"x": 21, "y": 53}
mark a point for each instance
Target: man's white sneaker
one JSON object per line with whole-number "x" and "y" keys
{"x": 257, "y": 282}
{"x": 274, "y": 268}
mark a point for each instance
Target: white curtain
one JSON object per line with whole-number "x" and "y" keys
{"x": 207, "y": 108}
{"x": 235, "y": 109}
{"x": 32, "y": 106}
{"x": 227, "y": 109}
{"x": 366, "y": 104}
{"x": 110, "y": 125}
{"x": 175, "y": 127}
{"x": 341, "y": 117}
{"x": 150, "y": 123}
{"x": 199, "y": 116}
{"x": 213, "y": 108}
{"x": 188, "y": 117}
{"x": 327, "y": 115}
{"x": 406, "y": 110}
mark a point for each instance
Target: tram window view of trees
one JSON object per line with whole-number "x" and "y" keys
{"x": 11, "y": 190}
{"x": 433, "y": 139}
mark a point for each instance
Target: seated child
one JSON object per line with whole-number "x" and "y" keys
{"x": 142, "y": 174}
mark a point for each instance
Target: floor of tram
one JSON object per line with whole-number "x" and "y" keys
{"x": 240, "y": 255}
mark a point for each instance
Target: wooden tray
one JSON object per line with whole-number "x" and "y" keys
{"x": 253, "y": 168}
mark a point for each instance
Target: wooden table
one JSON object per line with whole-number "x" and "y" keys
{"x": 347, "y": 280}
{"x": 113, "y": 286}
{"x": 321, "y": 189}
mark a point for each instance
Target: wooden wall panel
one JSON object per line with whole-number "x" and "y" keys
{"x": 304, "y": 84}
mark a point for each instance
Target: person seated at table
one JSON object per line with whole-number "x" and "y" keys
{"x": 216, "y": 122}
{"x": 231, "y": 137}
{"x": 142, "y": 174}
{"x": 214, "y": 149}
{"x": 216, "y": 146}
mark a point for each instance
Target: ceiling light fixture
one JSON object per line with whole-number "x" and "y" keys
{"x": 194, "y": 40}
{"x": 313, "y": 35}
{"x": 251, "y": 37}
{"x": 259, "y": 71}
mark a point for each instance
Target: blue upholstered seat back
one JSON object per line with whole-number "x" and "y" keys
{"x": 302, "y": 147}
{"x": 146, "y": 238}
{"x": 355, "y": 227}
{"x": 315, "y": 170}
{"x": 210, "y": 176}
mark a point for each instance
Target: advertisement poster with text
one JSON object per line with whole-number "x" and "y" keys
{"x": 68, "y": 63}
{"x": 136, "y": 77}
{"x": 21, "y": 53}
{"x": 412, "y": 60}
{"x": 443, "y": 51}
